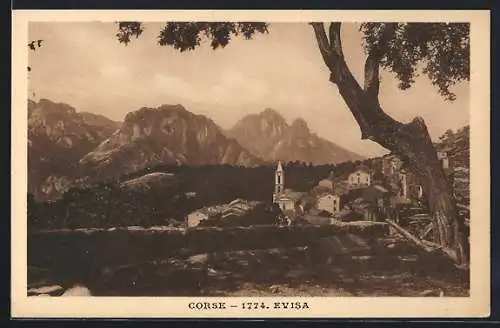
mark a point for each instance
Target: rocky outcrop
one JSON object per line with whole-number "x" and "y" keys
{"x": 168, "y": 134}
{"x": 268, "y": 136}
{"x": 58, "y": 137}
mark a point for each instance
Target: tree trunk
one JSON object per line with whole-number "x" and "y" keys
{"x": 410, "y": 141}
{"x": 448, "y": 228}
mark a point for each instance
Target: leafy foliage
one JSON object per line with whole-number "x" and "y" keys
{"x": 188, "y": 35}
{"x": 33, "y": 45}
{"x": 443, "y": 49}
{"x": 126, "y": 30}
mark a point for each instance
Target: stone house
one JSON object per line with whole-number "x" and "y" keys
{"x": 289, "y": 200}
{"x": 193, "y": 219}
{"x": 366, "y": 209}
{"x": 359, "y": 179}
{"x": 328, "y": 202}
{"x": 405, "y": 185}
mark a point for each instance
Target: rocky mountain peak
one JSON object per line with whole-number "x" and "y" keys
{"x": 271, "y": 114}
{"x": 58, "y": 136}
{"x": 54, "y": 108}
{"x": 268, "y": 136}
{"x": 147, "y": 115}
{"x": 300, "y": 125}
{"x": 167, "y": 134}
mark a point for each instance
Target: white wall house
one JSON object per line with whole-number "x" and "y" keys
{"x": 329, "y": 203}
{"x": 359, "y": 178}
{"x": 194, "y": 218}
{"x": 286, "y": 203}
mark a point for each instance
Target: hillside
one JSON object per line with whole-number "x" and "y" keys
{"x": 58, "y": 137}
{"x": 169, "y": 134}
{"x": 69, "y": 149}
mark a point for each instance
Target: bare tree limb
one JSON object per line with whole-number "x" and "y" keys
{"x": 427, "y": 230}
{"x": 372, "y": 79}
{"x": 323, "y": 44}
{"x": 335, "y": 40}
{"x": 427, "y": 246}
{"x": 340, "y": 74}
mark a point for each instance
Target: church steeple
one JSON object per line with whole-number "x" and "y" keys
{"x": 279, "y": 183}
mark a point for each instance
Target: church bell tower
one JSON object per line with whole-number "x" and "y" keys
{"x": 279, "y": 182}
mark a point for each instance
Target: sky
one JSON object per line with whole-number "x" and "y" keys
{"x": 82, "y": 64}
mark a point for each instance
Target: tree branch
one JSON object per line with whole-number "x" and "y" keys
{"x": 372, "y": 79}
{"x": 323, "y": 44}
{"x": 335, "y": 40}
{"x": 340, "y": 74}
{"x": 362, "y": 102}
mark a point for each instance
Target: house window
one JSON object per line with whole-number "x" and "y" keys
{"x": 279, "y": 179}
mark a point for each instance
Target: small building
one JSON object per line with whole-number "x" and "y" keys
{"x": 238, "y": 212}
{"x": 194, "y": 218}
{"x": 366, "y": 209}
{"x": 359, "y": 178}
{"x": 288, "y": 200}
{"x": 328, "y": 202}
{"x": 380, "y": 197}
{"x": 407, "y": 187}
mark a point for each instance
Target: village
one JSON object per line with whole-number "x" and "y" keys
{"x": 355, "y": 228}
{"x": 386, "y": 189}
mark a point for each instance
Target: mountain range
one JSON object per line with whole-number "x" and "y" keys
{"x": 168, "y": 134}
{"x": 268, "y": 136}
{"x": 69, "y": 149}
{"x": 58, "y": 137}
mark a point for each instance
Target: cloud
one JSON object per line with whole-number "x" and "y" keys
{"x": 235, "y": 88}
{"x": 114, "y": 72}
{"x": 173, "y": 85}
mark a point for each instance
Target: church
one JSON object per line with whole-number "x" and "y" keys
{"x": 286, "y": 199}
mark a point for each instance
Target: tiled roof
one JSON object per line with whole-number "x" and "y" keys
{"x": 326, "y": 194}
{"x": 236, "y": 207}
{"x": 289, "y": 194}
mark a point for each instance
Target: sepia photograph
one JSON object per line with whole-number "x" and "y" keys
{"x": 266, "y": 160}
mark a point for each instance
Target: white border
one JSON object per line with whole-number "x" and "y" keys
{"x": 477, "y": 305}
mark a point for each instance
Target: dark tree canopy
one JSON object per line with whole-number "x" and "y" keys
{"x": 188, "y": 35}
{"x": 442, "y": 49}
{"x": 438, "y": 50}
{"x": 33, "y": 45}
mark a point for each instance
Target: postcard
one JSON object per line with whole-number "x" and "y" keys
{"x": 250, "y": 164}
